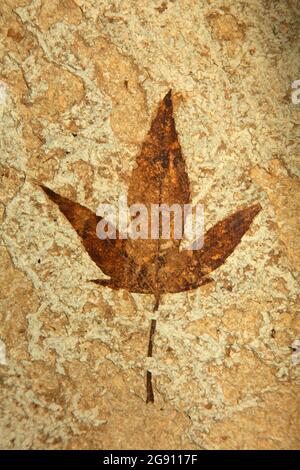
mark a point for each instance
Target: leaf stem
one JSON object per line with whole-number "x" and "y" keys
{"x": 149, "y": 388}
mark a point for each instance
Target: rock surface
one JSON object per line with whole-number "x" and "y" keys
{"x": 79, "y": 82}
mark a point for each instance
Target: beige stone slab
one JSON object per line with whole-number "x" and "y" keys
{"x": 79, "y": 83}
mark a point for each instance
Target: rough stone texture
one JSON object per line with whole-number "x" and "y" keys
{"x": 82, "y": 80}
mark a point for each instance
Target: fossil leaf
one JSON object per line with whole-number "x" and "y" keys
{"x": 109, "y": 254}
{"x": 154, "y": 266}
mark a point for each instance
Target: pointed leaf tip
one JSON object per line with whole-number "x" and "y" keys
{"x": 256, "y": 208}
{"x": 51, "y": 194}
{"x": 168, "y": 98}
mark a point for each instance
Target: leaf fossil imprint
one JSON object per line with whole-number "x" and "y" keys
{"x": 150, "y": 266}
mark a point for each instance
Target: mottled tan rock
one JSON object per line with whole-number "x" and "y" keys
{"x": 118, "y": 76}
{"x": 56, "y": 11}
{"x": 82, "y": 80}
{"x": 226, "y": 27}
{"x": 243, "y": 319}
{"x": 11, "y": 181}
{"x": 17, "y": 300}
{"x": 258, "y": 428}
{"x": 284, "y": 194}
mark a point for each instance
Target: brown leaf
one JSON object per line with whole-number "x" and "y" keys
{"x": 152, "y": 266}
{"x": 108, "y": 254}
{"x": 187, "y": 269}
